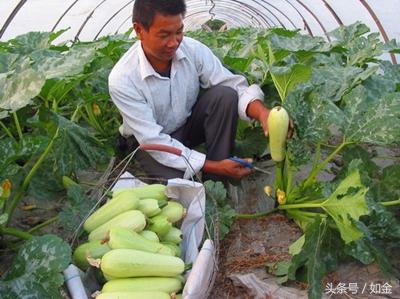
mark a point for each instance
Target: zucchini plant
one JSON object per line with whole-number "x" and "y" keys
{"x": 342, "y": 98}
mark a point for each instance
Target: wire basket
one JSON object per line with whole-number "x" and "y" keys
{"x": 113, "y": 174}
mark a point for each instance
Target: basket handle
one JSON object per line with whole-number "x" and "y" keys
{"x": 161, "y": 148}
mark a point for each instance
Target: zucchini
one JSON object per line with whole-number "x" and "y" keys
{"x": 162, "y": 284}
{"x": 124, "y": 263}
{"x": 174, "y": 247}
{"x": 134, "y": 295}
{"x": 156, "y": 191}
{"x": 120, "y": 237}
{"x": 94, "y": 249}
{"x": 174, "y": 235}
{"x": 159, "y": 224}
{"x": 134, "y": 220}
{"x": 150, "y": 206}
{"x": 174, "y": 211}
{"x": 112, "y": 208}
{"x": 278, "y": 125}
{"x": 149, "y": 235}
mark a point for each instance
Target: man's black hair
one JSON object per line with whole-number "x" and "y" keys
{"x": 144, "y": 10}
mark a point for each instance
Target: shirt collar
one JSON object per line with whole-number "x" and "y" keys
{"x": 146, "y": 69}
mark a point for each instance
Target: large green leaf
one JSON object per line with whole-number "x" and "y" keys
{"x": 7, "y": 61}
{"x": 341, "y": 80}
{"x": 54, "y": 64}
{"x": 387, "y": 188}
{"x": 371, "y": 120}
{"x": 319, "y": 254}
{"x": 75, "y": 147}
{"x": 20, "y": 86}
{"x": 347, "y": 204}
{"x": 35, "y": 272}
{"x": 32, "y": 41}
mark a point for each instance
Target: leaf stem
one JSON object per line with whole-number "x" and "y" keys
{"x": 8, "y": 132}
{"x": 390, "y": 203}
{"x": 15, "y": 232}
{"x": 314, "y": 172}
{"x": 17, "y": 125}
{"x": 299, "y": 205}
{"x": 18, "y": 196}
{"x": 43, "y": 224}
{"x": 255, "y": 215}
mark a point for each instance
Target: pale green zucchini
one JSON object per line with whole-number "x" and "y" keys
{"x": 112, "y": 208}
{"x": 124, "y": 263}
{"x": 174, "y": 235}
{"x": 149, "y": 235}
{"x": 134, "y": 220}
{"x": 134, "y": 295}
{"x": 162, "y": 284}
{"x": 278, "y": 125}
{"x": 174, "y": 211}
{"x": 156, "y": 191}
{"x": 150, "y": 206}
{"x": 92, "y": 249}
{"x": 174, "y": 247}
{"x": 120, "y": 237}
{"x": 159, "y": 224}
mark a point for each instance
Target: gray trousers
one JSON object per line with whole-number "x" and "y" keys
{"x": 213, "y": 122}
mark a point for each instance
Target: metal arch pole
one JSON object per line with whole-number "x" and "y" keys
{"x": 249, "y": 8}
{"x": 242, "y": 11}
{"x": 63, "y": 15}
{"x": 302, "y": 17}
{"x": 87, "y": 19}
{"x": 315, "y": 17}
{"x": 333, "y": 12}
{"x": 11, "y": 16}
{"x": 119, "y": 27}
{"x": 281, "y": 12}
{"x": 379, "y": 25}
{"x": 112, "y": 17}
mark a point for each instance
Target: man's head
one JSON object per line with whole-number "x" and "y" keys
{"x": 145, "y": 10}
{"x": 159, "y": 26}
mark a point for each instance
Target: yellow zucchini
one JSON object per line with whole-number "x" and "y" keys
{"x": 134, "y": 220}
{"x": 159, "y": 224}
{"x": 174, "y": 235}
{"x": 150, "y": 206}
{"x": 149, "y": 235}
{"x": 124, "y": 263}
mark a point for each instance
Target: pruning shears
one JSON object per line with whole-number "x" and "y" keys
{"x": 248, "y": 164}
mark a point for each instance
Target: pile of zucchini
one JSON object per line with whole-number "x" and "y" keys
{"x": 134, "y": 241}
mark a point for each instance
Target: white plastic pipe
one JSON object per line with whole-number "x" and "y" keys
{"x": 74, "y": 282}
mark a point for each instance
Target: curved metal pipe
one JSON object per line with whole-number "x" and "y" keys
{"x": 109, "y": 20}
{"x": 11, "y": 17}
{"x": 63, "y": 15}
{"x": 379, "y": 25}
{"x": 87, "y": 19}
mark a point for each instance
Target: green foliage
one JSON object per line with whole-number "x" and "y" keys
{"x": 36, "y": 271}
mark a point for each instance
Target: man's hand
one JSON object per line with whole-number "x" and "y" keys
{"x": 227, "y": 168}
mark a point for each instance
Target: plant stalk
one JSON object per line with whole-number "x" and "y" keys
{"x": 8, "y": 132}
{"x": 17, "y": 125}
{"x": 308, "y": 182}
{"x": 44, "y": 224}
{"x": 299, "y": 206}
{"x": 390, "y": 203}
{"x": 20, "y": 192}
{"x": 255, "y": 215}
{"x": 15, "y": 232}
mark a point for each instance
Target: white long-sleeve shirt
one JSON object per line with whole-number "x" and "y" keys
{"x": 152, "y": 106}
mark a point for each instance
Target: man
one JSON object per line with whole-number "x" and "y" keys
{"x": 156, "y": 85}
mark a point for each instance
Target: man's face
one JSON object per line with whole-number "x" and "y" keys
{"x": 162, "y": 39}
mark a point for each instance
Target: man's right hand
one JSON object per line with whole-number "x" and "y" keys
{"x": 227, "y": 168}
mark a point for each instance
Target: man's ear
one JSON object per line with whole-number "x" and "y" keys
{"x": 138, "y": 29}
